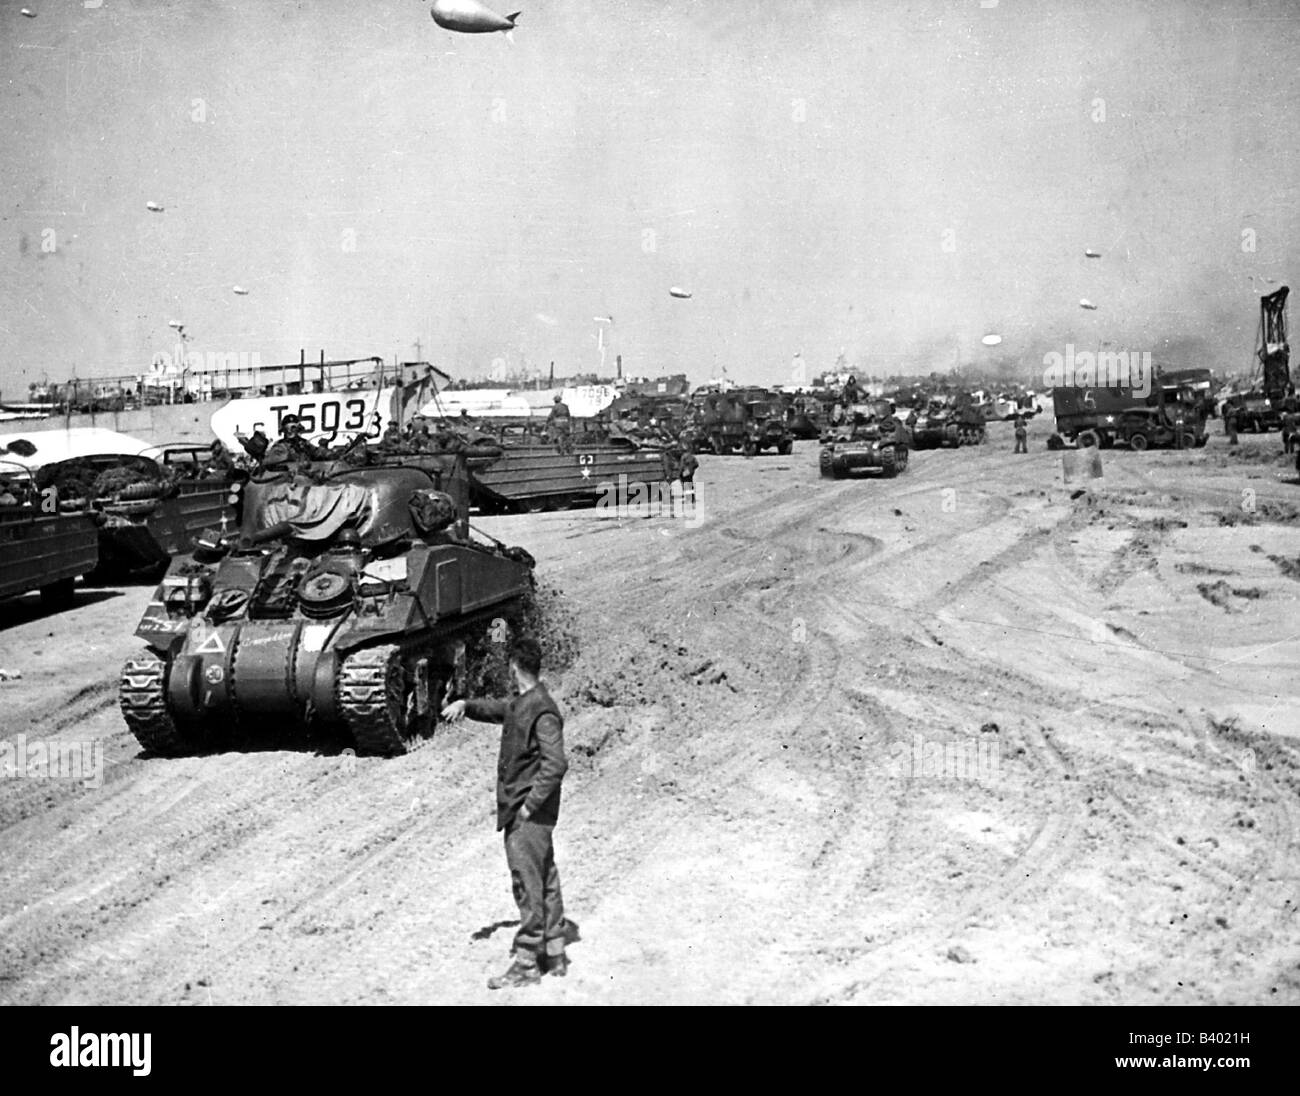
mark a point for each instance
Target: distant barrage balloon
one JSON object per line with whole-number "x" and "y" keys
{"x": 991, "y": 340}
{"x": 27, "y": 12}
{"x": 153, "y": 207}
{"x": 1091, "y": 254}
{"x": 471, "y": 17}
{"x": 240, "y": 290}
{"x": 1085, "y": 303}
{"x": 680, "y": 293}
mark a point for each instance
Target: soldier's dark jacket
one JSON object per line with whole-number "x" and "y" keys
{"x": 531, "y": 763}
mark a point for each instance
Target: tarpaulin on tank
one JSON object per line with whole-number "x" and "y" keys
{"x": 317, "y": 510}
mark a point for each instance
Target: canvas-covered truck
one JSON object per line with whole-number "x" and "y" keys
{"x": 1169, "y": 415}
{"x": 746, "y": 421}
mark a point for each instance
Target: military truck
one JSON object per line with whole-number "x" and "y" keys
{"x": 42, "y": 548}
{"x": 1256, "y": 413}
{"x": 1167, "y": 415}
{"x": 353, "y": 601}
{"x": 742, "y": 421}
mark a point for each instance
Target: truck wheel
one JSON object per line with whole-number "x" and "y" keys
{"x": 59, "y": 595}
{"x": 1138, "y": 442}
{"x": 718, "y": 446}
{"x": 749, "y": 447}
{"x": 784, "y": 447}
{"x": 1200, "y": 442}
{"x": 1088, "y": 439}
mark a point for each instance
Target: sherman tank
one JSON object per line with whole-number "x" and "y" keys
{"x": 943, "y": 425}
{"x": 878, "y": 444}
{"x": 354, "y": 600}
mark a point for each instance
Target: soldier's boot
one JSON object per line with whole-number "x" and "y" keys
{"x": 556, "y": 965}
{"x": 521, "y": 973}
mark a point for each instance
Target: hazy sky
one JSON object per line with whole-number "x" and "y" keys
{"x": 891, "y": 179}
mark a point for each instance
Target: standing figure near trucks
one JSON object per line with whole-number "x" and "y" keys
{"x": 558, "y": 423}
{"x": 1022, "y": 435}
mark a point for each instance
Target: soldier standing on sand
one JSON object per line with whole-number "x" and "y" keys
{"x": 671, "y": 458}
{"x": 689, "y": 464}
{"x": 1022, "y": 445}
{"x": 530, "y": 769}
{"x": 1230, "y": 423}
{"x": 1290, "y": 422}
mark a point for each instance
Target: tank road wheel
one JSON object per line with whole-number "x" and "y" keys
{"x": 1138, "y": 442}
{"x": 143, "y": 699}
{"x": 386, "y": 699}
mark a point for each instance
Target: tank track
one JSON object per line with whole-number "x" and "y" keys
{"x": 365, "y": 702}
{"x": 143, "y": 699}
{"x": 365, "y": 677}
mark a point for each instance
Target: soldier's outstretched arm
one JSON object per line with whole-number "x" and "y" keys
{"x": 481, "y": 711}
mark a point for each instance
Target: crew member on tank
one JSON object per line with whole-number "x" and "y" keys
{"x": 530, "y": 768}
{"x": 293, "y": 445}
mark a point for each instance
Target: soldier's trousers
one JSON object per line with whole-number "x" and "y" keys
{"x": 530, "y": 856}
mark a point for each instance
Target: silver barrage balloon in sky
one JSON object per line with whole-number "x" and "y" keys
{"x": 680, "y": 293}
{"x": 153, "y": 207}
{"x": 239, "y": 290}
{"x": 1085, "y": 303}
{"x": 1091, "y": 253}
{"x": 991, "y": 340}
{"x": 471, "y": 17}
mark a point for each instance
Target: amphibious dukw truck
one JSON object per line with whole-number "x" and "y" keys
{"x": 41, "y": 548}
{"x": 354, "y": 600}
